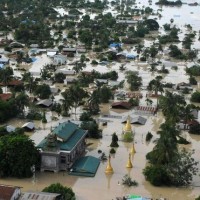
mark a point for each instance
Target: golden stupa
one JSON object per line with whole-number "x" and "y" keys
{"x": 133, "y": 149}
{"x": 128, "y": 127}
{"x": 109, "y": 169}
{"x": 129, "y": 163}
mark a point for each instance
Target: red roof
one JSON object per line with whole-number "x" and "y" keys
{"x": 121, "y": 104}
{"x": 6, "y": 192}
{"x": 13, "y": 83}
{"x": 6, "y": 96}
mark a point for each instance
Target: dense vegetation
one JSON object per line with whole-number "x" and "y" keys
{"x": 18, "y": 155}
{"x": 66, "y": 192}
{"x": 169, "y": 164}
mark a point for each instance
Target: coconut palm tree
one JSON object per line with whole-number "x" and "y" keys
{"x": 93, "y": 102}
{"x": 66, "y": 104}
{"x": 30, "y": 83}
{"x": 21, "y": 101}
{"x": 6, "y": 76}
{"x": 171, "y": 105}
{"x": 166, "y": 146}
{"x": 74, "y": 96}
{"x": 186, "y": 114}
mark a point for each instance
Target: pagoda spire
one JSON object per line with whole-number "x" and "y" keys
{"x": 109, "y": 169}
{"x": 128, "y": 127}
{"x": 133, "y": 149}
{"x": 129, "y": 163}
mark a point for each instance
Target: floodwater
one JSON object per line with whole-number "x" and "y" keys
{"x": 107, "y": 187}
{"x": 104, "y": 186}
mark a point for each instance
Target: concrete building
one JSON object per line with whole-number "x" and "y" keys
{"x": 62, "y": 147}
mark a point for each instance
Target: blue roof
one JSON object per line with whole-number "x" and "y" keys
{"x": 115, "y": 45}
{"x": 28, "y": 21}
{"x": 131, "y": 56}
{"x": 1, "y": 66}
{"x": 33, "y": 59}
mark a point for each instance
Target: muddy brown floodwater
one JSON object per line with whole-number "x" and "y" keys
{"x": 107, "y": 187}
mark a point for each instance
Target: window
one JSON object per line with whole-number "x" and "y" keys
{"x": 63, "y": 160}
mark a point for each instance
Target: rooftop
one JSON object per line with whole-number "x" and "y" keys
{"x": 69, "y": 133}
{"x": 85, "y": 166}
{"x": 40, "y": 196}
{"x": 6, "y": 192}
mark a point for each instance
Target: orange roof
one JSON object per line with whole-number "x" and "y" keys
{"x": 6, "y": 96}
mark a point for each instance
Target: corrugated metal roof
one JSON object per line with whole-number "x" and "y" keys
{"x": 135, "y": 120}
{"x": 70, "y": 133}
{"x": 85, "y": 166}
{"x": 45, "y": 102}
{"x": 39, "y": 196}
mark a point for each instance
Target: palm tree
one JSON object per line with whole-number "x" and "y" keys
{"x": 186, "y": 114}
{"x": 171, "y": 105}
{"x": 93, "y": 102}
{"x": 66, "y": 103}
{"x": 166, "y": 146}
{"x": 6, "y": 76}
{"x": 156, "y": 85}
{"x": 21, "y": 101}
{"x": 30, "y": 82}
{"x": 74, "y": 96}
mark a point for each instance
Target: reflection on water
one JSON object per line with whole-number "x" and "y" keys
{"x": 107, "y": 187}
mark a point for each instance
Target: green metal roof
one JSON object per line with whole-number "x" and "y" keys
{"x": 65, "y": 130}
{"x": 85, "y": 166}
{"x": 69, "y": 132}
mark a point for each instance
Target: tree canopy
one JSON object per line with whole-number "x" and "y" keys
{"x": 18, "y": 154}
{"x": 66, "y": 192}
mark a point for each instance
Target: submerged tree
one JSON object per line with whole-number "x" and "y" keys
{"x": 133, "y": 80}
{"x": 73, "y": 97}
{"x": 114, "y": 142}
{"x": 156, "y": 85}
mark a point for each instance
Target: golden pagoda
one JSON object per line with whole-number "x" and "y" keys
{"x": 133, "y": 149}
{"x": 129, "y": 163}
{"x": 109, "y": 169}
{"x": 128, "y": 127}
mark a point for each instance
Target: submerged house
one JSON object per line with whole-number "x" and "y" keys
{"x": 60, "y": 60}
{"x": 62, "y": 147}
